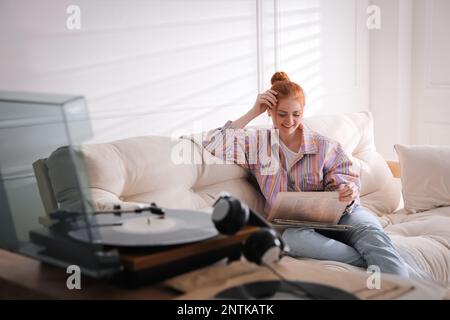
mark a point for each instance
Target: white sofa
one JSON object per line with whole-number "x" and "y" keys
{"x": 147, "y": 169}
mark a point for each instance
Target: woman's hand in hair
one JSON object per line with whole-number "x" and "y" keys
{"x": 265, "y": 100}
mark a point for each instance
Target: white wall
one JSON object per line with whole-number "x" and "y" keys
{"x": 149, "y": 67}
{"x": 325, "y": 48}
{"x": 390, "y": 75}
{"x": 431, "y": 73}
{"x": 146, "y": 67}
{"x": 156, "y": 67}
{"x": 410, "y": 74}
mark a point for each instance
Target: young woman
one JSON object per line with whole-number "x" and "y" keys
{"x": 305, "y": 161}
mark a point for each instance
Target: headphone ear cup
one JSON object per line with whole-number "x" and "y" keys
{"x": 229, "y": 215}
{"x": 263, "y": 246}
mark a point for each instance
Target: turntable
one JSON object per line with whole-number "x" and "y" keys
{"x": 134, "y": 247}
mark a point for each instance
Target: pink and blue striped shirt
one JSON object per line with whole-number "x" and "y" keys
{"x": 322, "y": 164}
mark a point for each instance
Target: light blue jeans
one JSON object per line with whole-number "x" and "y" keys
{"x": 364, "y": 245}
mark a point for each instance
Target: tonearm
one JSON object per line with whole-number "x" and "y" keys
{"x": 66, "y": 216}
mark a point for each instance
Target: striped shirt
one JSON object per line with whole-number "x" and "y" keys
{"x": 322, "y": 164}
{"x": 291, "y": 159}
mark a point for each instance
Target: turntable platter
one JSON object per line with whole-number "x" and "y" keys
{"x": 177, "y": 227}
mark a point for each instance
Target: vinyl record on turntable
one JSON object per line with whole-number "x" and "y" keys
{"x": 147, "y": 230}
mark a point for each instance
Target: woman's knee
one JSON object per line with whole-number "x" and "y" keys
{"x": 360, "y": 216}
{"x": 306, "y": 242}
{"x": 367, "y": 231}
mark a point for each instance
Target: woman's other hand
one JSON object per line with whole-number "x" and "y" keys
{"x": 265, "y": 100}
{"x": 347, "y": 192}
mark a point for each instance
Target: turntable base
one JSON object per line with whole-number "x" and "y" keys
{"x": 150, "y": 266}
{"x": 139, "y": 265}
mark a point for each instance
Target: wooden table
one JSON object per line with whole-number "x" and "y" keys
{"x": 25, "y": 278}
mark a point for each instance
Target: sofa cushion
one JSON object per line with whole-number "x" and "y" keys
{"x": 425, "y": 175}
{"x": 423, "y": 239}
{"x": 64, "y": 179}
{"x": 158, "y": 169}
{"x": 137, "y": 171}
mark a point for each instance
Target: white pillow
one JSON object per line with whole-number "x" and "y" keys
{"x": 425, "y": 175}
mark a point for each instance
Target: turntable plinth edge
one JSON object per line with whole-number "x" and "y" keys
{"x": 141, "y": 261}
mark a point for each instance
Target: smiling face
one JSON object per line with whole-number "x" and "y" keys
{"x": 287, "y": 116}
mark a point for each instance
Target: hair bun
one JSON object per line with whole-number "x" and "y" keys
{"x": 279, "y": 76}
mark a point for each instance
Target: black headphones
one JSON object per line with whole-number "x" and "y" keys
{"x": 263, "y": 246}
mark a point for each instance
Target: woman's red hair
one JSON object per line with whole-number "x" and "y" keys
{"x": 286, "y": 88}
